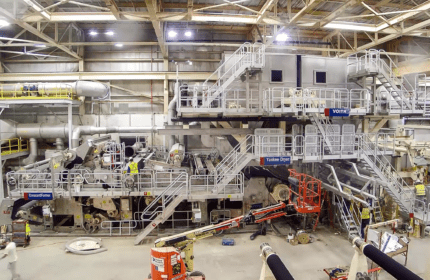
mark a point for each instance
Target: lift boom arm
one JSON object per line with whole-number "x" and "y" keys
{"x": 185, "y": 241}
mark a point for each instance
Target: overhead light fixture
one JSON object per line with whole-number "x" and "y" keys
{"x": 119, "y": 45}
{"x": 172, "y": 34}
{"x": 351, "y": 26}
{"x": 94, "y": 33}
{"x": 281, "y": 37}
{"x": 189, "y": 62}
{"x": 109, "y": 33}
{"x": 40, "y": 45}
{"x": 4, "y": 23}
{"x": 188, "y": 33}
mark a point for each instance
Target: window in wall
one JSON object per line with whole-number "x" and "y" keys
{"x": 276, "y": 76}
{"x": 320, "y": 77}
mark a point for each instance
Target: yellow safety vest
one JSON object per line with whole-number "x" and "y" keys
{"x": 421, "y": 189}
{"x": 27, "y": 229}
{"x": 365, "y": 213}
{"x": 133, "y": 167}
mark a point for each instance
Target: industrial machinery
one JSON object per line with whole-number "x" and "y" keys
{"x": 166, "y": 258}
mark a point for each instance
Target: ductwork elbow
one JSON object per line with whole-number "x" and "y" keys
{"x": 76, "y": 136}
{"x": 33, "y": 152}
{"x": 91, "y": 89}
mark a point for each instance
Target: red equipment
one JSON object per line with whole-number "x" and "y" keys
{"x": 309, "y": 193}
{"x": 166, "y": 260}
{"x": 166, "y": 263}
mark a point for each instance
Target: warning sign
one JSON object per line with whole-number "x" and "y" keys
{"x": 173, "y": 260}
{"x": 158, "y": 263}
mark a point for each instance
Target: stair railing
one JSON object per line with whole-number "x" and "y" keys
{"x": 175, "y": 188}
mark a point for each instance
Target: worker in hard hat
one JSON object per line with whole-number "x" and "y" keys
{"x": 10, "y": 253}
{"x": 420, "y": 195}
{"x": 365, "y": 218}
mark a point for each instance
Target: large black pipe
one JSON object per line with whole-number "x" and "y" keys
{"x": 275, "y": 264}
{"x": 397, "y": 270}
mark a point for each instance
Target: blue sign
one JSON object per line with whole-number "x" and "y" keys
{"x": 38, "y": 196}
{"x": 275, "y": 160}
{"x": 336, "y": 112}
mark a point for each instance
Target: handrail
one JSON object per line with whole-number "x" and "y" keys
{"x": 398, "y": 182}
{"x": 242, "y": 56}
{"x": 14, "y": 145}
{"x": 173, "y": 184}
{"x": 61, "y": 91}
{"x": 225, "y": 62}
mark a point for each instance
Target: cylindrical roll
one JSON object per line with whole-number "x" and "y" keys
{"x": 397, "y": 270}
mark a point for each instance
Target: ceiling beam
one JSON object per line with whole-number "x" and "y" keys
{"x": 113, "y": 8}
{"x": 389, "y": 37}
{"x": 158, "y": 26}
{"x": 38, "y": 8}
{"x": 265, "y": 9}
{"x": 332, "y": 16}
{"x": 36, "y": 32}
{"x": 310, "y": 4}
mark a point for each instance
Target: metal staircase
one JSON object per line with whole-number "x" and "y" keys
{"x": 379, "y": 165}
{"x": 233, "y": 163}
{"x": 350, "y": 219}
{"x": 248, "y": 56}
{"x": 325, "y": 128}
{"x": 395, "y": 86}
{"x": 169, "y": 199}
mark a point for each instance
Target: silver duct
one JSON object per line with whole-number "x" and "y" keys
{"x": 49, "y": 131}
{"x": 171, "y": 112}
{"x": 59, "y": 144}
{"x": 91, "y": 130}
{"x": 33, "y": 152}
{"x": 80, "y": 88}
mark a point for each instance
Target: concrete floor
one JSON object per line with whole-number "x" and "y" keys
{"x": 46, "y": 259}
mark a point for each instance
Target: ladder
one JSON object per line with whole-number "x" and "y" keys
{"x": 377, "y": 212}
{"x": 349, "y": 218}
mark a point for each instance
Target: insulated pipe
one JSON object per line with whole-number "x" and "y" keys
{"x": 397, "y": 270}
{"x": 171, "y": 112}
{"x": 39, "y": 163}
{"x": 80, "y": 88}
{"x": 33, "y": 152}
{"x": 275, "y": 263}
{"x": 91, "y": 130}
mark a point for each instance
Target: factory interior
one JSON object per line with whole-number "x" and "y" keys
{"x": 215, "y": 139}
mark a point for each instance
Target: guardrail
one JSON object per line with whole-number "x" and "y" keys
{"x": 14, "y": 145}
{"x": 294, "y": 100}
{"x": 60, "y": 91}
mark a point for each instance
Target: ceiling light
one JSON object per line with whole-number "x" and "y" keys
{"x": 172, "y": 34}
{"x": 40, "y": 45}
{"x": 3, "y": 23}
{"x": 281, "y": 37}
{"x": 94, "y": 33}
{"x": 109, "y": 33}
{"x": 119, "y": 45}
{"x": 189, "y": 62}
{"x": 188, "y": 33}
{"x": 351, "y": 26}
